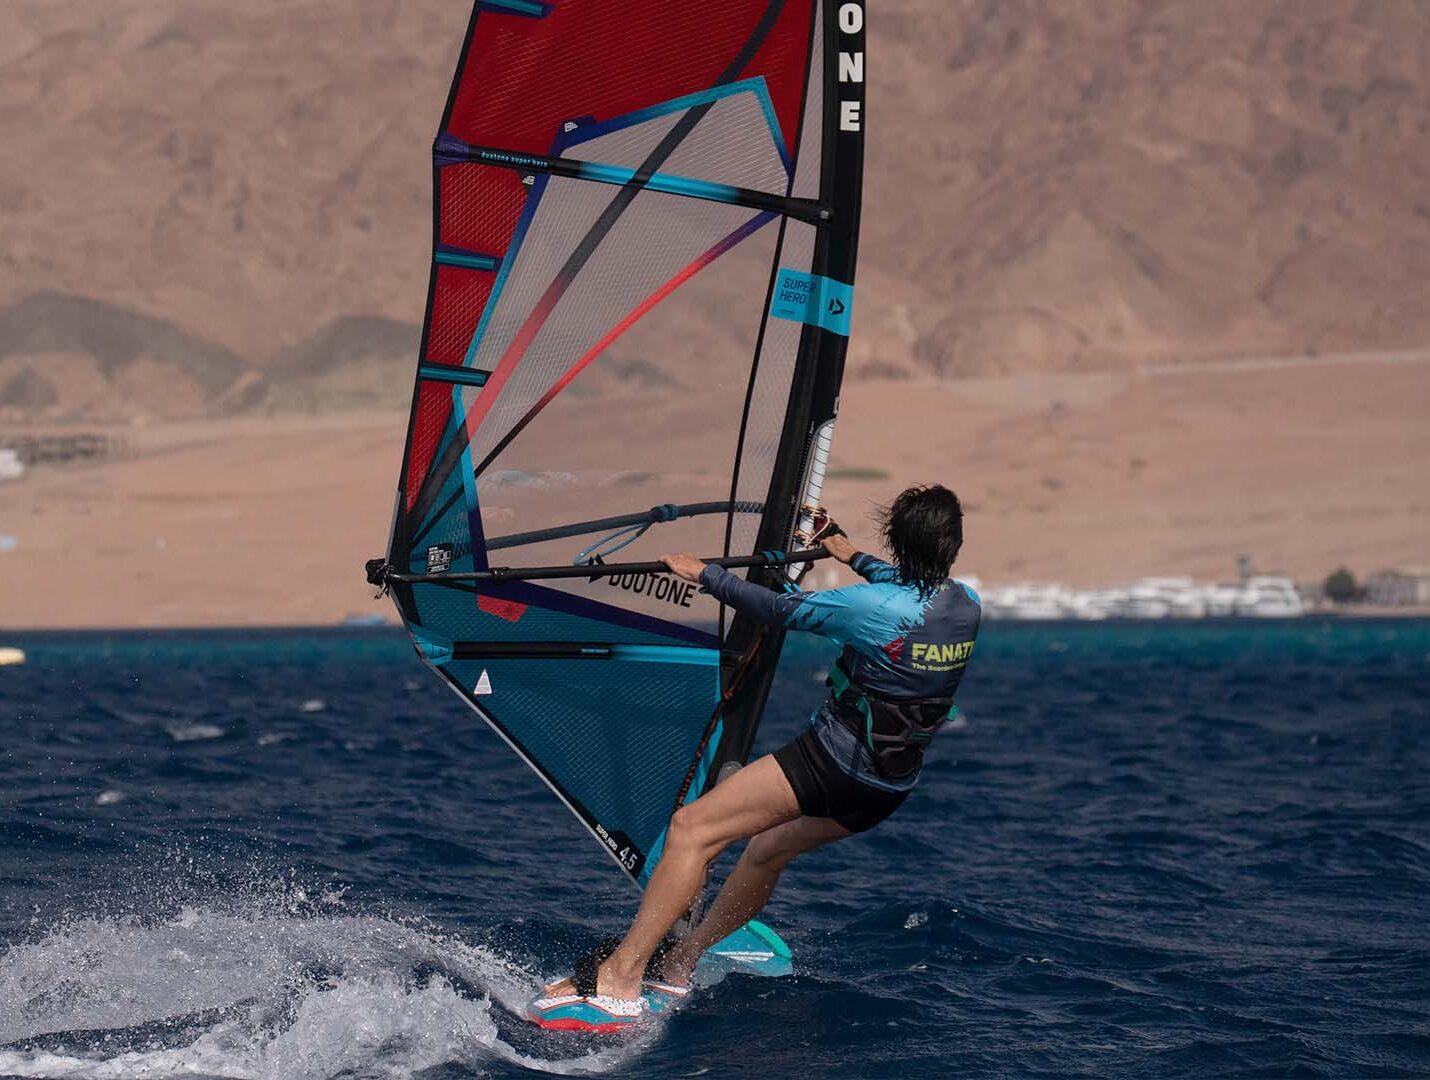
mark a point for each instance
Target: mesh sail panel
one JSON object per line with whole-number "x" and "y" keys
{"x": 619, "y": 735}
{"x": 811, "y": 139}
{"x": 769, "y": 395}
{"x": 655, "y": 416}
{"x": 523, "y": 78}
{"x": 607, "y": 373}
{"x": 735, "y": 140}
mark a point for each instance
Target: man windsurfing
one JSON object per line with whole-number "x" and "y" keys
{"x": 906, "y": 636}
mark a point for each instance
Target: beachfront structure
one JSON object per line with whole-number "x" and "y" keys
{"x": 1406, "y": 586}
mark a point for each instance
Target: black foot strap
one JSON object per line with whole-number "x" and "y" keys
{"x": 586, "y": 970}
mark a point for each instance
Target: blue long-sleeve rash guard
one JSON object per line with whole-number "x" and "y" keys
{"x": 898, "y": 642}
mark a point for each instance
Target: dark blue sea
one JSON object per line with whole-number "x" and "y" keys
{"x": 1197, "y": 850}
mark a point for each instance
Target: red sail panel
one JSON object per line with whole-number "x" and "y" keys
{"x": 524, "y": 77}
{"x": 479, "y": 207}
{"x": 431, "y": 413}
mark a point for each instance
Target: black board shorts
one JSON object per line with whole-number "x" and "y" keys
{"x": 824, "y": 790}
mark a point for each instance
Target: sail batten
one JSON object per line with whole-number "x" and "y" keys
{"x": 644, "y": 219}
{"x": 621, "y": 176}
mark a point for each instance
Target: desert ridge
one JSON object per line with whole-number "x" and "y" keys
{"x": 212, "y": 210}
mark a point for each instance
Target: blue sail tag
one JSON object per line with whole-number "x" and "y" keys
{"x": 809, "y": 298}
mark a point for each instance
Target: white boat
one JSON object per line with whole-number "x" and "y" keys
{"x": 1266, "y": 597}
{"x": 1095, "y": 604}
{"x": 1221, "y": 600}
{"x": 1166, "y": 597}
{"x": 1027, "y": 602}
{"x": 1142, "y": 603}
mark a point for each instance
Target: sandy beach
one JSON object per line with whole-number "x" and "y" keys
{"x": 1082, "y": 479}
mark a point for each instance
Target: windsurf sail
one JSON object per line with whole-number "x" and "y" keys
{"x": 642, "y": 278}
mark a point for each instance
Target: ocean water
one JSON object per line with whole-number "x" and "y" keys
{"x": 1149, "y": 851}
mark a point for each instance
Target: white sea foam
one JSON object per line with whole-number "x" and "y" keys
{"x": 254, "y": 996}
{"x": 194, "y": 732}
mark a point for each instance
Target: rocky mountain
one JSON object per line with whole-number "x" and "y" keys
{"x": 208, "y": 208}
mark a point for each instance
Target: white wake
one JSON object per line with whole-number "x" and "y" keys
{"x": 258, "y": 995}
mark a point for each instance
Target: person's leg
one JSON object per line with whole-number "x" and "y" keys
{"x": 754, "y": 799}
{"x": 748, "y": 888}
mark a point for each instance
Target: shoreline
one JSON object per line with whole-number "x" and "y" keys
{"x": 8, "y": 635}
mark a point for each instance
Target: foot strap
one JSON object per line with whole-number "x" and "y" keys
{"x": 587, "y": 969}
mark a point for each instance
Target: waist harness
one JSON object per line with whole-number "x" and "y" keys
{"x": 896, "y": 731}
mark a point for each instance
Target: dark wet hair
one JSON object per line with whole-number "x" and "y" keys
{"x": 923, "y": 529}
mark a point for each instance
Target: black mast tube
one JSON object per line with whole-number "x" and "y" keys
{"x": 819, "y": 367}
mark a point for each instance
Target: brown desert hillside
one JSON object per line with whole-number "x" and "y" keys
{"x": 204, "y": 207}
{"x": 1145, "y": 280}
{"x": 1125, "y": 180}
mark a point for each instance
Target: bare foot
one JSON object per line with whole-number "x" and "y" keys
{"x": 560, "y": 988}
{"x": 675, "y": 968}
{"x": 611, "y": 982}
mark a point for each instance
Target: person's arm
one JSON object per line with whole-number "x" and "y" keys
{"x": 869, "y": 567}
{"x": 874, "y": 569}
{"x": 838, "y": 614}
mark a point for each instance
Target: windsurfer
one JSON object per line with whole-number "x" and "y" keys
{"x": 906, "y": 636}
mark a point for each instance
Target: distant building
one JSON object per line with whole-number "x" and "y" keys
{"x": 1406, "y": 586}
